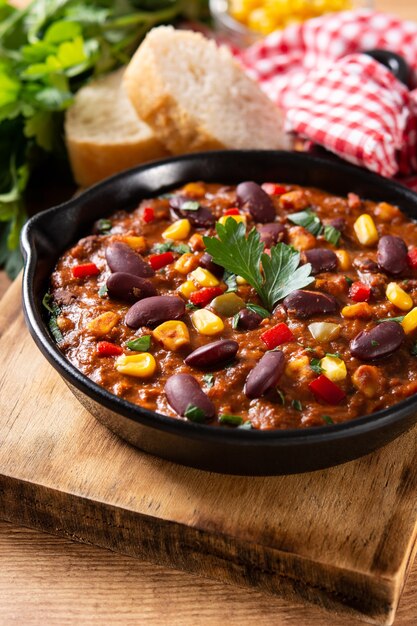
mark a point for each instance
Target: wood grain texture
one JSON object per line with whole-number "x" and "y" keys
{"x": 341, "y": 538}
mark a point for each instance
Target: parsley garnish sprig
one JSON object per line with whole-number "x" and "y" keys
{"x": 243, "y": 256}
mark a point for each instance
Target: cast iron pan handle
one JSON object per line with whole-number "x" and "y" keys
{"x": 396, "y": 64}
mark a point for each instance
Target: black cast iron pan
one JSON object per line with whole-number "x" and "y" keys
{"x": 50, "y": 233}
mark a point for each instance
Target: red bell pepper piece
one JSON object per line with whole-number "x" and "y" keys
{"x": 277, "y": 335}
{"x": 84, "y": 270}
{"x": 412, "y": 258}
{"x": 273, "y": 190}
{"x": 359, "y": 292}
{"x": 324, "y": 389}
{"x": 148, "y": 214}
{"x": 105, "y": 348}
{"x": 231, "y": 212}
{"x": 160, "y": 260}
{"x": 205, "y": 296}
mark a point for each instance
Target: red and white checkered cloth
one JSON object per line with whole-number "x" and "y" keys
{"x": 339, "y": 98}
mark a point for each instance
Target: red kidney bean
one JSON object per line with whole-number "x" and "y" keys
{"x": 201, "y": 218}
{"x": 128, "y": 287}
{"x": 392, "y": 254}
{"x": 271, "y": 233}
{"x": 380, "y": 341}
{"x": 302, "y": 303}
{"x": 121, "y": 258}
{"x": 321, "y": 259}
{"x": 155, "y": 310}
{"x": 248, "y": 320}
{"x": 256, "y": 200}
{"x": 365, "y": 264}
{"x": 213, "y": 353}
{"x": 265, "y": 375}
{"x": 183, "y": 390}
{"x": 207, "y": 262}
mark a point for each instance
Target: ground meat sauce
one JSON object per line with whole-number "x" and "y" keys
{"x": 286, "y": 370}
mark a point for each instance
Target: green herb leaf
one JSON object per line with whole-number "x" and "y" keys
{"x": 50, "y": 305}
{"x": 332, "y": 235}
{"x": 246, "y": 425}
{"x": 191, "y": 307}
{"x": 103, "y": 291}
{"x": 235, "y": 321}
{"x": 327, "y": 419}
{"x": 181, "y": 248}
{"x": 208, "y": 380}
{"x": 141, "y": 344}
{"x": 190, "y": 205}
{"x": 231, "y": 420}
{"x": 55, "y": 331}
{"x": 398, "y": 319}
{"x": 335, "y": 355}
{"x": 309, "y": 220}
{"x": 103, "y": 226}
{"x": 296, "y": 404}
{"x": 242, "y": 256}
{"x": 315, "y": 366}
{"x": 374, "y": 343}
{"x": 230, "y": 280}
{"x": 281, "y": 396}
{"x": 194, "y": 413}
{"x": 258, "y": 309}
{"x": 349, "y": 280}
{"x": 167, "y": 246}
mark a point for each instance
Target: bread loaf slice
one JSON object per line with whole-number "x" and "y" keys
{"x": 195, "y": 96}
{"x": 104, "y": 134}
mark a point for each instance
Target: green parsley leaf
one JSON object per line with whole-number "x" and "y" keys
{"x": 235, "y": 321}
{"x": 296, "y": 404}
{"x": 167, "y": 246}
{"x": 258, "y": 309}
{"x": 309, "y": 349}
{"x": 398, "y": 319}
{"x": 208, "y": 380}
{"x": 335, "y": 355}
{"x": 103, "y": 291}
{"x": 181, "y": 248}
{"x": 327, "y": 419}
{"x": 190, "y": 205}
{"x": 54, "y": 328}
{"x": 242, "y": 256}
{"x": 230, "y": 280}
{"x": 103, "y": 226}
{"x": 332, "y": 235}
{"x": 194, "y": 413}
{"x": 349, "y": 280}
{"x": 191, "y": 307}
{"x": 315, "y": 366}
{"x": 231, "y": 420}
{"x": 374, "y": 343}
{"x": 141, "y": 344}
{"x": 309, "y": 220}
{"x": 53, "y": 310}
{"x": 50, "y": 305}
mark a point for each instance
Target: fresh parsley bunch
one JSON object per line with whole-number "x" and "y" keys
{"x": 47, "y": 52}
{"x": 281, "y": 272}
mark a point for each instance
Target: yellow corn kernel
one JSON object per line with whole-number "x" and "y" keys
{"x": 178, "y": 230}
{"x": 343, "y": 260}
{"x": 207, "y": 323}
{"x": 196, "y": 242}
{"x": 103, "y": 324}
{"x": 187, "y": 288}
{"x": 172, "y": 334}
{"x": 186, "y": 263}
{"x": 299, "y": 368}
{"x": 204, "y": 278}
{"x": 409, "y": 322}
{"x": 237, "y": 218}
{"x": 136, "y": 243}
{"x": 365, "y": 230}
{"x": 141, "y": 365}
{"x": 369, "y": 380}
{"x": 241, "y": 281}
{"x": 194, "y": 189}
{"x": 334, "y": 368}
{"x": 399, "y": 297}
{"x": 361, "y": 310}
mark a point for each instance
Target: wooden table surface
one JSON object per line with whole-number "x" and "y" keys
{"x": 53, "y": 581}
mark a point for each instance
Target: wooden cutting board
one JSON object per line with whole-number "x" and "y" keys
{"x": 342, "y": 538}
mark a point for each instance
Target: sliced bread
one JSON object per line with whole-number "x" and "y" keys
{"x": 104, "y": 134}
{"x": 195, "y": 96}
